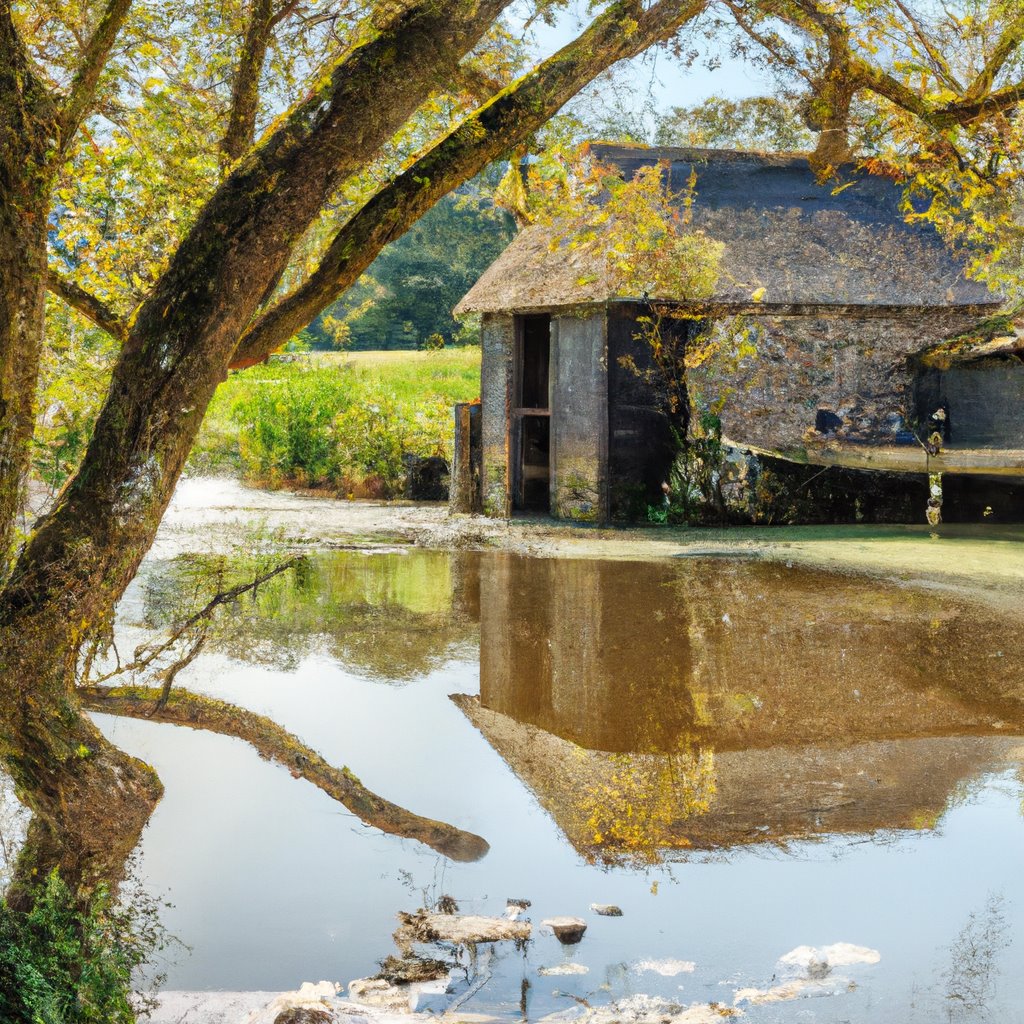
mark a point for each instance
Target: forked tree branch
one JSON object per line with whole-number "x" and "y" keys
{"x": 87, "y": 304}
{"x": 485, "y": 135}
{"x": 276, "y": 744}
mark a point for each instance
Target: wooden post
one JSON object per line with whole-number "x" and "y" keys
{"x": 465, "y": 494}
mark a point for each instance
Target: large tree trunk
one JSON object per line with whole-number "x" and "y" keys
{"x": 27, "y": 130}
{"x": 90, "y": 800}
{"x": 22, "y": 294}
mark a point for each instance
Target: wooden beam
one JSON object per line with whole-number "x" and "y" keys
{"x": 900, "y": 458}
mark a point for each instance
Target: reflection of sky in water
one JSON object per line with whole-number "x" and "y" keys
{"x": 273, "y": 883}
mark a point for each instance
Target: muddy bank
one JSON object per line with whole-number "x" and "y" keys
{"x": 210, "y": 514}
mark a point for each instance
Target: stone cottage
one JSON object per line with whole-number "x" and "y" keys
{"x": 850, "y": 309}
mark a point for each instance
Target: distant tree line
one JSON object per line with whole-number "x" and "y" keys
{"x": 407, "y": 294}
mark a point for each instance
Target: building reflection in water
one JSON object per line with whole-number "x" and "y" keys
{"x": 658, "y": 706}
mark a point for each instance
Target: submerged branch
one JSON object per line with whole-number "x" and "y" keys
{"x": 275, "y": 743}
{"x": 146, "y": 654}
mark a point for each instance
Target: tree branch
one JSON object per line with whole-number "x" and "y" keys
{"x": 771, "y": 45}
{"x": 245, "y": 93}
{"x": 87, "y": 304}
{"x": 147, "y": 654}
{"x": 84, "y": 84}
{"x": 961, "y": 112}
{"x": 276, "y": 744}
{"x": 1009, "y": 39}
{"x": 965, "y": 111}
{"x": 939, "y": 63}
{"x": 484, "y": 136}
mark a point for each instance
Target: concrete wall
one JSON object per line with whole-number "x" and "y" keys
{"x": 856, "y": 368}
{"x": 498, "y": 348}
{"x": 579, "y": 416}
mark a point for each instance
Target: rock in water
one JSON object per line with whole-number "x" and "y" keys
{"x": 381, "y": 994}
{"x": 606, "y": 909}
{"x": 560, "y": 969}
{"x": 568, "y": 930}
{"x": 407, "y": 969}
{"x": 458, "y": 928}
{"x": 304, "y": 1015}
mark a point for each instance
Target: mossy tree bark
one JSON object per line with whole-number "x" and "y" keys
{"x": 28, "y": 129}
{"x": 36, "y": 127}
{"x": 91, "y": 801}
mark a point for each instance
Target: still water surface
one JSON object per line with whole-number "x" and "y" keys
{"x": 745, "y": 757}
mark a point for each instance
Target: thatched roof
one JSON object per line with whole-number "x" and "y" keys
{"x": 759, "y": 795}
{"x": 805, "y": 244}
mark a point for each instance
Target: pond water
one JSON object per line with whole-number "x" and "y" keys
{"x": 745, "y": 757}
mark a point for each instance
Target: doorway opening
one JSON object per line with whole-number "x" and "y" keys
{"x": 532, "y": 415}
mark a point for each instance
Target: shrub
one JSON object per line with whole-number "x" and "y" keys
{"x": 62, "y": 965}
{"x": 287, "y": 427}
{"x": 345, "y": 423}
{"x": 375, "y": 435}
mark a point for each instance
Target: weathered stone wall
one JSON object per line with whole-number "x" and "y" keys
{"x": 498, "y": 348}
{"x": 579, "y": 416}
{"x": 854, "y": 369}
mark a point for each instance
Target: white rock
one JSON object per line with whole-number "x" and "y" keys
{"x": 560, "y": 969}
{"x": 666, "y": 968}
{"x": 380, "y": 994}
{"x": 839, "y": 954}
{"x": 809, "y": 971}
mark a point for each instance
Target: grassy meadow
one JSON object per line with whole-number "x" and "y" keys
{"x": 344, "y": 422}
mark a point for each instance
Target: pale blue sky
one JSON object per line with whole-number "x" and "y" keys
{"x": 668, "y": 83}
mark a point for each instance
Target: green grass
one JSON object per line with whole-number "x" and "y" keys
{"x": 341, "y": 421}
{"x": 452, "y": 374}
